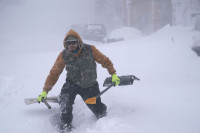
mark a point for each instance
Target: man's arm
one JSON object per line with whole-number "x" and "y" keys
{"x": 54, "y": 74}
{"x": 103, "y": 60}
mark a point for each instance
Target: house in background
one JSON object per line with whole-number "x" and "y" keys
{"x": 110, "y": 13}
{"x": 145, "y": 15}
{"x": 149, "y": 16}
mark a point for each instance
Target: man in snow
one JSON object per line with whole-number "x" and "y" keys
{"x": 79, "y": 59}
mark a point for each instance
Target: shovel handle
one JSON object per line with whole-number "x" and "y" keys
{"x": 105, "y": 90}
{"x": 45, "y": 102}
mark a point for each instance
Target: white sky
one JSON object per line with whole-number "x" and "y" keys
{"x": 25, "y": 21}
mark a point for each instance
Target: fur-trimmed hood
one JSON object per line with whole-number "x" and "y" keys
{"x": 73, "y": 33}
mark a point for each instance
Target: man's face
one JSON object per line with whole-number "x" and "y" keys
{"x": 72, "y": 45}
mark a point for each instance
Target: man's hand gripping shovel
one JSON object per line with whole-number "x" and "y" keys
{"x": 124, "y": 80}
{"x": 45, "y": 102}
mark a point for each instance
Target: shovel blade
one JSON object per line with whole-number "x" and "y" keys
{"x": 124, "y": 80}
{"x": 91, "y": 100}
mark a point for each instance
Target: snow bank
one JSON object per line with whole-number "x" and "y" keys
{"x": 124, "y": 33}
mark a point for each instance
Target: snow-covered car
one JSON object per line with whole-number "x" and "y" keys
{"x": 94, "y": 32}
{"x": 121, "y": 34}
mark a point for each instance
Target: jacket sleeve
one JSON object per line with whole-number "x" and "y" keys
{"x": 103, "y": 60}
{"x": 54, "y": 74}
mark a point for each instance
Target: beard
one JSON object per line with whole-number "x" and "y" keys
{"x": 74, "y": 51}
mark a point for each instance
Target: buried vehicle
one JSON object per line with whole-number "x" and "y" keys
{"x": 121, "y": 34}
{"x": 95, "y": 32}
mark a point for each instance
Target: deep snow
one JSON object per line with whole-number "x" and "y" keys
{"x": 124, "y": 33}
{"x": 166, "y": 100}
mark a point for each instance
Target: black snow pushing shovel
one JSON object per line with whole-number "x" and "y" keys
{"x": 124, "y": 80}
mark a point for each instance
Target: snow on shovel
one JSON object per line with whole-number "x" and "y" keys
{"x": 124, "y": 80}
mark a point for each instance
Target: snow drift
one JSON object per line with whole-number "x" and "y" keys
{"x": 166, "y": 100}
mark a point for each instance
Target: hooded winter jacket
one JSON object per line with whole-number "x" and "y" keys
{"x": 65, "y": 58}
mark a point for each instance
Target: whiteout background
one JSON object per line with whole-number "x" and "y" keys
{"x": 166, "y": 100}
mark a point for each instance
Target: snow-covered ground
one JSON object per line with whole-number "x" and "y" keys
{"x": 166, "y": 100}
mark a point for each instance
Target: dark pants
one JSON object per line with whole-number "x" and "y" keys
{"x": 68, "y": 95}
